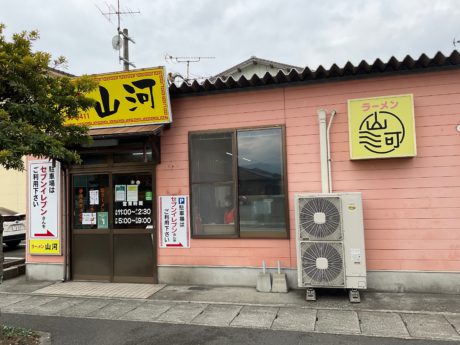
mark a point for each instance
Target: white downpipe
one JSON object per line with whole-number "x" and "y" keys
{"x": 323, "y": 147}
{"x": 329, "y": 170}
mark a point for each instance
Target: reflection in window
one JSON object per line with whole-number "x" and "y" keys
{"x": 261, "y": 183}
{"x": 133, "y": 155}
{"x": 141, "y": 151}
{"x": 212, "y": 184}
{"x": 253, "y": 169}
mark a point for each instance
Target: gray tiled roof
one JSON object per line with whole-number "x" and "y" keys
{"x": 306, "y": 75}
{"x": 254, "y": 60}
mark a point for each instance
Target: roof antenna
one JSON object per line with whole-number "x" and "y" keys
{"x": 187, "y": 60}
{"x": 121, "y": 39}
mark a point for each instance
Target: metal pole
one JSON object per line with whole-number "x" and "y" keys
{"x": 125, "y": 50}
{"x": 66, "y": 223}
{"x": 323, "y": 150}
{"x": 1, "y": 249}
{"x": 329, "y": 162}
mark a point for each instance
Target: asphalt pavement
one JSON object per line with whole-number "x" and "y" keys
{"x": 380, "y": 318}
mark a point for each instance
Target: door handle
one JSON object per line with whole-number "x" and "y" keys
{"x": 150, "y": 227}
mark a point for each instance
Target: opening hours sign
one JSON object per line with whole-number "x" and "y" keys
{"x": 43, "y": 216}
{"x": 382, "y": 127}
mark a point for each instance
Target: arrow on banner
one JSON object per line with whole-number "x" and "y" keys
{"x": 47, "y": 234}
{"x": 174, "y": 245}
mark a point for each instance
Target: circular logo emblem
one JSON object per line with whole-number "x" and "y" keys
{"x": 381, "y": 132}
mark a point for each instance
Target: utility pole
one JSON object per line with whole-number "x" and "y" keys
{"x": 125, "y": 57}
{"x": 455, "y": 42}
{"x": 122, "y": 38}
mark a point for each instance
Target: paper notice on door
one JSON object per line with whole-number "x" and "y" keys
{"x": 102, "y": 220}
{"x": 132, "y": 193}
{"x": 88, "y": 218}
{"x": 94, "y": 197}
{"x": 120, "y": 192}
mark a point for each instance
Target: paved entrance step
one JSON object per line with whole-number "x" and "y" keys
{"x": 96, "y": 289}
{"x": 13, "y": 267}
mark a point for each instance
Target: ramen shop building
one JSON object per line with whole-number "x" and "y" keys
{"x": 204, "y": 190}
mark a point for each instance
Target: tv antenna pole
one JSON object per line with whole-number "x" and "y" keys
{"x": 187, "y": 60}
{"x": 455, "y": 42}
{"x": 121, "y": 39}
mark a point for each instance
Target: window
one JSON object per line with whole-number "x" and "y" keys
{"x": 91, "y": 201}
{"x": 121, "y": 151}
{"x": 238, "y": 183}
{"x": 120, "y": 201}
{"x": 132, "y": 200}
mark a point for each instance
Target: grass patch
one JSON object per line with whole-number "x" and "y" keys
{"x": 17, "y": 336}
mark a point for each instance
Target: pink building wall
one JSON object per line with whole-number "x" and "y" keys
{"x": 411, "y": 205}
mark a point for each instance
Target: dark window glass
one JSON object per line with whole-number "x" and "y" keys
{"x": 93, "y": 158}
{"x": 133, "y": 155}
{"x": 213, "y": 189}
{"x": 91, "y": 201}
{"x": 125, "y": 152}
{"x": 132, "y": 200}
{"x": 213, "y": 209}
{"x": 257, "y": 177}
{"x": 261, "y": 190}
{"x": 212, "y": 157}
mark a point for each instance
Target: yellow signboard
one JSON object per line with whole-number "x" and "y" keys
{"x": 382, "y": 127}
{"x": 138, "y": 97}
{"x": 44, "y": 247}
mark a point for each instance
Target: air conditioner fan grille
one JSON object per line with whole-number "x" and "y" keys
{"x": 331, "y": 274}
{"x": 311, "y": 229}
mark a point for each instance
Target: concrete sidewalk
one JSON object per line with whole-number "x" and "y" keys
{"x": 398, "y": 315}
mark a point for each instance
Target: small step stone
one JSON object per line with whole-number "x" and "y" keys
{"x": 14, "y": 271}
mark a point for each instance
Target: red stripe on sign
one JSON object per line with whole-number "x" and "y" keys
{"x": 48, "y": 234}
{"x": 174, "y": 245}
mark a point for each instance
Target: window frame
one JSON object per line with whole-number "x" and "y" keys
{"x": 233, "y": 131}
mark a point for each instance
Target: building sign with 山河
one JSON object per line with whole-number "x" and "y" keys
{"x": 382, "y": 127}
{"x": 138, "y": 97}
{"x": 43, "y": 217}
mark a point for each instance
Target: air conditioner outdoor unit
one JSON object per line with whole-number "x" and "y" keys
{"x": 330, "y": 242}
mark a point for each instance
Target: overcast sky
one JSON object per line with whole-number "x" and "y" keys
{"x": 298, "y": 32}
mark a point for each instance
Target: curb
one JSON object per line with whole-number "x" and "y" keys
{"x": 274, "y": 305}
{"x": 45, "y": 338}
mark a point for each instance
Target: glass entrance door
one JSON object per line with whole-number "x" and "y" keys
{"x": 112, "y": 227}
{"x": 133, "y": 241}
{"x": 91, "y": 249}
